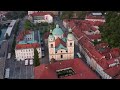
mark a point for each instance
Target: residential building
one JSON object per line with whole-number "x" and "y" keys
{"x": 53, "y": 12}
{"x": 60, "y": 46}
{"x": 101, "y": 58}
{"x": 26, "y": 42}
{"x": 95, "y": 17}
{"x": 39, "y": 17}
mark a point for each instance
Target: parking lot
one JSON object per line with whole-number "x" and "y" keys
{"x": 18, "y": 70}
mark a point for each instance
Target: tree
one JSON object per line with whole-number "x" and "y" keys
{"x": 110, "y": 30}
{"x": 13, "y": 45}
{"x": 66, "y": 15}
{"x": 15, "y": 14}
{"x": 28, "y": 25}
{"x": 7, "y": 36}
{"x": 36, "y": 58}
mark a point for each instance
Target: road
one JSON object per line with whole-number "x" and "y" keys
{"x": 3, "y": 51}
{"x": 45, "y": 60}
{"x": 18, "y": 70}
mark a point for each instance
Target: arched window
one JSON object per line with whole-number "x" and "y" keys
{"x": 70, "y": 44}
{"x": 51, "y": 45}
{"x": 61, "y": 56}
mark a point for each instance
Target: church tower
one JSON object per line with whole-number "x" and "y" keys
{"x": 51, "y": 45}
{"x": 70, "y": 44}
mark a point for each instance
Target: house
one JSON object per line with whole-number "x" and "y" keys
{"x": 95, "y": 17}
{"x": 26, "y": 42}
{"x": 74, "y": 68}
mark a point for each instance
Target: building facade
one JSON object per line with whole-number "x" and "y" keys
{"x": 26, "y": 42}
{"x": 39, "y": 17}
{"x": 60, "y": 47}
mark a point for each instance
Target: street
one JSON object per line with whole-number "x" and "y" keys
{"x": 18, "y": 70}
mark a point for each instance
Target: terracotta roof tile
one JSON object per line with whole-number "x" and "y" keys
{"x": 41, "y": 13}
{"x": 25, "y": 46}
{"x": 59, "y": 41}
{"x": 81, "y": 69}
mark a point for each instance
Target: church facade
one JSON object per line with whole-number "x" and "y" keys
{"x": 60, "y": 46}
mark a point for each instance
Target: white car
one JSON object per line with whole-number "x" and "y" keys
{"x": 31, "y": 62}
{"x": 26, "y": 62}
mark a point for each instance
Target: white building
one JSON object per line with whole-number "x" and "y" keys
{"x": 10, "y": 28}
{"x": 60, "y": 47}
{"x": 53, "y": 12}
{"x": 38, "y": 17}
{"x": 26, "y": 42}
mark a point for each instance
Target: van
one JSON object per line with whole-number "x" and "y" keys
{"x": 26, "y": 62}
{"x": 31, "y": 62}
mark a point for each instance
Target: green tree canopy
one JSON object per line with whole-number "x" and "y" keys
{"x": 36, "y": 58}
{"x": 15, "y": 14}
{"x": 111, "y": 29}
{"x": 28, "y": 25}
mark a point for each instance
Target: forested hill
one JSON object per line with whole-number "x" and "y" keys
{"x": 111, "y": 29}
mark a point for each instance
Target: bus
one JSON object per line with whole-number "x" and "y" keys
{"x": 7, "y": 72}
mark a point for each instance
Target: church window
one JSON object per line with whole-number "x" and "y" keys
{"x": 70, "y": 44}
{"x": 61, "y": 56}
{"x": 61, "y": 51}
{"x": 51, "y": 45}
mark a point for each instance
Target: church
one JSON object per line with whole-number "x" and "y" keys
{"x": 60, "y": 46}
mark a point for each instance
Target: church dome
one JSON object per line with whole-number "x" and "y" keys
{"x": 57, "y": 31}
{"x": 70, "y": 35}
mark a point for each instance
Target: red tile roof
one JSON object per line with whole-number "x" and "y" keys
{"x": 115, "y": 52}
{"x": 89, "y": 48}
{"x": 102, "y": 45}
{"x": 94, "y": 37}
{"x": 90, "y": 16}
{"x": 25, "y": 46}
{"x": 77, "y": 32}
{"x": 41, "y": 13}
{"x": 81, "y": 69}
{"x": 113, "y": 71}
{"x": 92, "y": 51}
{"x": 59, "y": 41}
{"x": 42, "y": 72}
{"x": 22, "y": 34}
{"x": 103, "y": 63}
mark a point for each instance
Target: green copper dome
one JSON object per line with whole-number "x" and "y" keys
{"x": 70, "y": 35}
{"x": 57, "y": 31}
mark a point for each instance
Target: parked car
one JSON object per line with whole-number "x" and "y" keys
{"x": 26, "y": 62}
